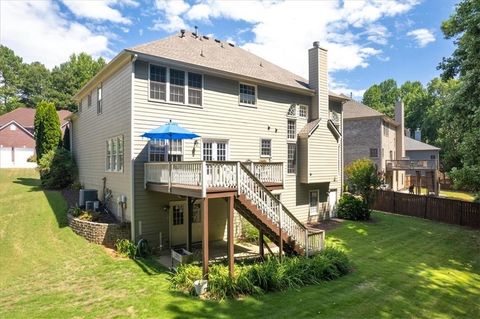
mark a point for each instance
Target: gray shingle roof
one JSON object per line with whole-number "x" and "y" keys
{"x": 414, "y": 145}
{"x": 354, "y": 109}
{"x": 308, "y": 128}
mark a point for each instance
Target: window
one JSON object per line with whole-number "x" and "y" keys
{"x": 196, "y": 213}
{"x": 432, "y": 157}
{"x": 99, "y": 100}
{"x": 374, "y": 152}
{"x": 291, "y": 158}
{"x": 292, "y": 111}
{"x": 302, "y": 111}
{"x": 177, "y": 215}
{"x": 265, "y": 148}
{"x": 194, "y": 89}
{"x": 158, "y": 83}
{"x": 177, "y": 86}
{"x": 214, "y": 150}
{"x": 158, "y": 150}
{"x": 114, "y": 154}
{"x": 89, "y": 100}
{"x": 291, "y": 129}
{"x": 247, "y": 94}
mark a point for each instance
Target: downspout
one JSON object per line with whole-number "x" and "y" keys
{"x": 132, "y": 159}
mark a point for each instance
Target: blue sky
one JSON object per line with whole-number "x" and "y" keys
{"x": 368, "y": 41}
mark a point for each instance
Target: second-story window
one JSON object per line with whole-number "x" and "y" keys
{"x": 158, "y": 82}
{"x": 266, "y": 148}
{"x": 302, "y": 111}
{"x": 248, "y": 94}
{"x": 291, "y": 129}
{"x": 177, "y": 86}
{"x": 374, "y": 152}
{"x": 99, "y": 100}
{"x": 291, "y": 158}
{"x": 194, "y": 89}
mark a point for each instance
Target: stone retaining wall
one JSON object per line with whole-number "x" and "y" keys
{"x": 99, "y": 233}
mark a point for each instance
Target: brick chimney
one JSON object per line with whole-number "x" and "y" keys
{"x": 318, "y": 81}
{"x": 400, "y": 136}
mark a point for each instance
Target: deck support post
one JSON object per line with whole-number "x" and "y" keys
{"x": 205, "y": 238}
{"x": 260, "y": 244}
{"x": 419, "y": 181}
{"x": 190, "y": 201}
{"x": 231, "y": 247}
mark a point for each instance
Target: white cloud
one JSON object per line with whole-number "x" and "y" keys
{"x": 284, "y": 30}
{"x": 99, "y": 9}
{"x": 422, "y": 36}
{"x": 342, "y": 88}
{"x": 37, "y": 31}
{"x": 171, "y": 10}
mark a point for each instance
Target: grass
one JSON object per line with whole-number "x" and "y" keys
{"x": 452, "y": 194}
{"x": 403, "y": 268}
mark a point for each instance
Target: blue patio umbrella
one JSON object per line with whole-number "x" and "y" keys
{"x": 170, "y": 131}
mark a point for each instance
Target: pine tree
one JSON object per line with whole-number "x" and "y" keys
{"x": 47, "y": 129}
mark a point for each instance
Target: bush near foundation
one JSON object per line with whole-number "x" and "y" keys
{"x": 270, "y": 275}
{"x": 352, "y": 207}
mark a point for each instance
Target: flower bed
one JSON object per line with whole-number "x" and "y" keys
{"x": 105, "y": 234}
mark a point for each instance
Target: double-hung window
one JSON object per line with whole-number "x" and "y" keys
{"x": 177, "y": 86}
{"x": 291, "y": 129}
{"x": 115, "y": 154}
{"x": 374, "y": 152}
{"x": 99, "y": 100}
{"x": 248, "y": 95}
{"x": 158, "y": 82}
{"x": 194, "y": 89}
{"x": 214, "y": 150}
{"x": 266, "y": 148}
{"x": 302, "y": 111}
{"x": 158, "y": 150}
{"x": 291, "y": 158}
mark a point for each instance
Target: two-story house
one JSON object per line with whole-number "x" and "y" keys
{"x": 371, "y": 134}
{"x": 270, "y": 146}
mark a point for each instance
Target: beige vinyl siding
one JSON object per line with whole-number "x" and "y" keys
{"x": 221, "y": 117}
{"x": 90, "y": 132}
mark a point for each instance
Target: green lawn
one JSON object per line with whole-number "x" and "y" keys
{"x": 466, "y": 196}
{"x": 404, "y": 268}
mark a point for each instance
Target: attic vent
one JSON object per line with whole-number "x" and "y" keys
{"x": 231, "y": 44}
{"x": 216, "y": 40}
{"x": 205, "y": 37}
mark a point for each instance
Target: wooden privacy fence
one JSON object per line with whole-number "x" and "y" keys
{"x": 434, "y": 208}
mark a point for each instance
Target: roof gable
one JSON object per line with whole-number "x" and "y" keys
{"x": 356, "y": 110}
{"x": 25, "y": 116}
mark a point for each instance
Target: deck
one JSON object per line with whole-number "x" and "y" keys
{"x": 414, "y": 165}
{"x": 211, "y": 179}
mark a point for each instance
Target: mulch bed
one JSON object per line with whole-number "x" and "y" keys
{"x": 71, "y": 197}
{"x": 326, "y": 225}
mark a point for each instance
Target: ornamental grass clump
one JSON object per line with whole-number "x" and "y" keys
{"x": 270, "y": 275}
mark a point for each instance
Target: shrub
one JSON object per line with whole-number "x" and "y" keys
{"x": 352, "y": 207}
{"x": 363, "y": 179}
{"x": 75, "y": 211}
{"x": 89, "y": 216}
{"x": 32, "y": 159}
{"x": 250, "y": 233}
{"x": 125, "y": 248}
{"x": 476, "y": 199}
{"x": 270, "y": 275}
{"x": 57, "y": 169}
{"x": 47, "y": 129}
{"x": 466, "y": 178}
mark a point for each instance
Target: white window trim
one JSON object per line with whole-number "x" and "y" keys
{"x": 110, "y": 170}
{"x": 167, "y": 87}
{"x": 256, "y": 95}
{"x": 100, "y": 101}
{"x": 296, "y": 157}
{"x": 370, "y": 152}
{"x": 289, "y": 139}
{"x": 214, "y": 142}
{"x": 167, "y": 150}
{"x": 294, "y": 116}
{"x": 299, "y": 106}
{"x": 317, "y": 191}
{"x": 271, "y": 148}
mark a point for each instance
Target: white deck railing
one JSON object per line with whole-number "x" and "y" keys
{"x": 411, "y": 164}
{"x": 247, "y": 179}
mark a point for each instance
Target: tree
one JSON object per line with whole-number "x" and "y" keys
{"x": 363, "y": 179}
{"x": 10, "y": 79}
{"x": 35, "y": 83}
{"x": 47, "y": 129}
{"x": 382, "y": 97}
{"x": 463, "y": 115}
{"x": 70, "y": 76}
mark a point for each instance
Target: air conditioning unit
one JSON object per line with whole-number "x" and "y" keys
{"x": 87, "y": 195}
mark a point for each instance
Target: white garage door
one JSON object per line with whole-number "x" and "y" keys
{"x": 16, "y": 157}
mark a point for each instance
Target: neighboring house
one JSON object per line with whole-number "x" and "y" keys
{"x": 17, "y": 142}
{"x": 266, "y": 134}
{"x": 371, "y": 134}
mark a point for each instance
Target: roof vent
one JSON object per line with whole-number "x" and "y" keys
{"x": 316, "y": 44}
{"x": 216, "y": 40}
{"x": 231, "y": 44}
{"x": 182, "y": 33}
{"x": 205, "y": 37}
{"x": 196, "y": 32}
